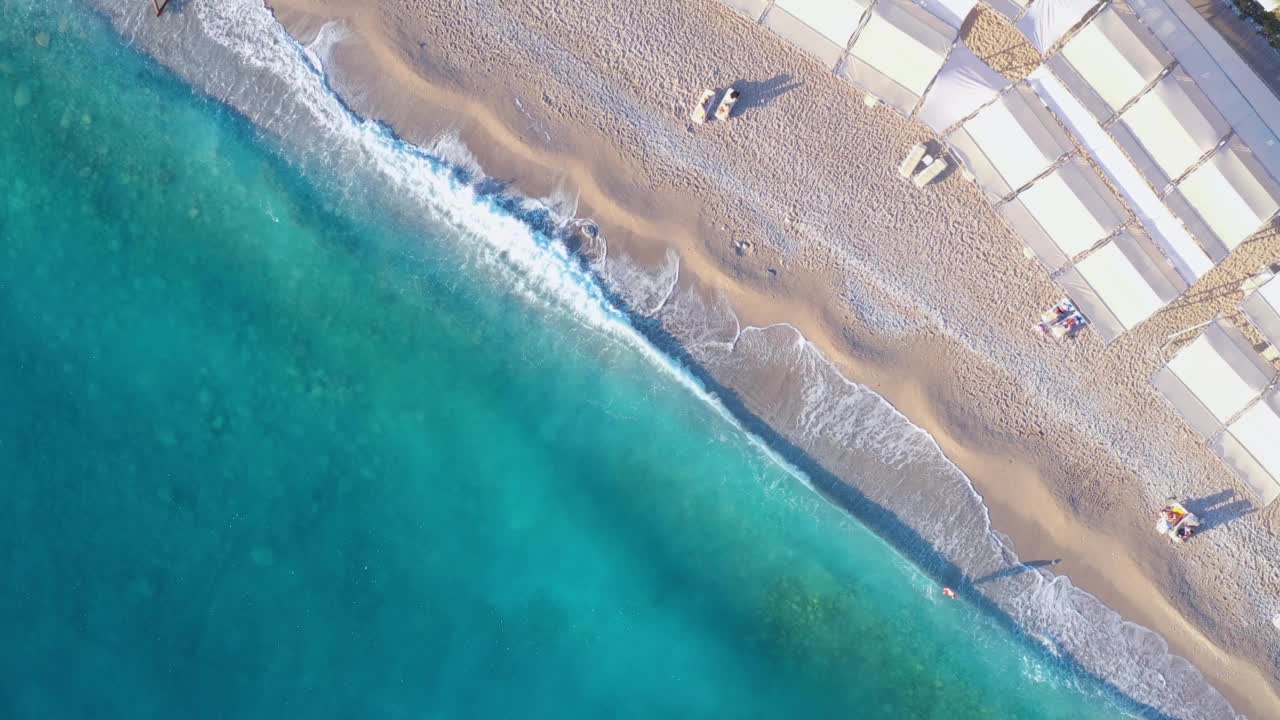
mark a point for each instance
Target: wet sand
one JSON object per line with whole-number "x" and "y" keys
{"x": 793, "y": 213}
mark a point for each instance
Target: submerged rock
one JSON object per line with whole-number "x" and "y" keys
{"x": 42, "y": 39}
{"x": 582, "y": 237}
{"x": 22, "y": 96}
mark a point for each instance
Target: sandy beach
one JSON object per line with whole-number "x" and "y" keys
{"x": 793, "y": 213}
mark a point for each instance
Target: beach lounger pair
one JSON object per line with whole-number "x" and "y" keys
{"x": 1178, "y": 523}
{"x": 911, "y": 165}
{"x": 702, "y": 111}
{"x": 1062, "y": 320}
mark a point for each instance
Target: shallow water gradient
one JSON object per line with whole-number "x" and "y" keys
{"x": 270, "y": 454}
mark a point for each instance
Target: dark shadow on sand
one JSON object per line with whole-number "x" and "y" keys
{"x": 1219, "y": 509}
{"x": 1016, "y": 570}
{"x": 759, "y": 93}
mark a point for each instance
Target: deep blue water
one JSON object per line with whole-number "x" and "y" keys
{"x": 273, "y": 450}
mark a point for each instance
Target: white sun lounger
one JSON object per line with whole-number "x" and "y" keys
{"x": 1176, "y": 516}
{"x": 726, "y": 104}
{"x": 1063, "y": 308}
{"x": 700, "y": 111}
{"x": 909, "y": 164}
{"x": 930, "y": 171}
{"x": 1068, "y": 326}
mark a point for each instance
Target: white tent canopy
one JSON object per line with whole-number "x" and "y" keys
{"x": 1110, "y": 61}
{"x": 1250, "y": 448}
{"x": 964, "y": 84}
{"x": 1169, "y": 129}
{"x": 1009, "y": 142}
{"x": 1226, "y": 199}
{"x": 1047, "y": 21}
{"x": 1064, "y": 213}
{"x": 1121, "y": 284}
{"x": 952, "y": 12}
{"x": 1234, "y": 88}
{"x": 1263, "y": 309}
{"x": 1188, "y": 258}
{"x": 822, "y": 28}
{"x": 1214, "y": 378}
{"x": 898, "y": 53}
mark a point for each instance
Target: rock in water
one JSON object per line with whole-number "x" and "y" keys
{"x": 22, "y": 96}
{"x": 42, "y": 39}
{"x": 582, "y": 237}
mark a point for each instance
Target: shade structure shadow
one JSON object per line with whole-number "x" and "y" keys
{"x": 1219, "y": 509}
{"x": 759, "y": 93}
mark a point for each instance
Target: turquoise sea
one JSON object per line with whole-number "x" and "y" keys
{"x": 276, "y": 447}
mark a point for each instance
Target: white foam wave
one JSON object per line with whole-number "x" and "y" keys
{"x": 644, "y": 290}
{"x": 563, "y": 200}
{"x": 448, "y": 146}
{"x": 320, "y": 50}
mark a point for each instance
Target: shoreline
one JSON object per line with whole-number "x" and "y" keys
{"x": 508, "y": 147}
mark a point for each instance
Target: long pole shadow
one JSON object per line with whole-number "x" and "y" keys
{"x": 1018, "y": 569}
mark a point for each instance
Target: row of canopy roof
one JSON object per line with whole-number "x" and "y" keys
{"x": 1229, "y": 395}
{"x": 1178, "y": 165}
{"x": 891, "y": 48}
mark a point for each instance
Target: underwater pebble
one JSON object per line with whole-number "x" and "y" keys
{"x": 22, "y": 96}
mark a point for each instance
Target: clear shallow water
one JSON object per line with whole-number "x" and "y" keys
{"x": 273, "y": 451}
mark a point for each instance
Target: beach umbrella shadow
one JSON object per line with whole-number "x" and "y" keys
{"x": 759, "y": 93}
{"x": 1219, "y": 509}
